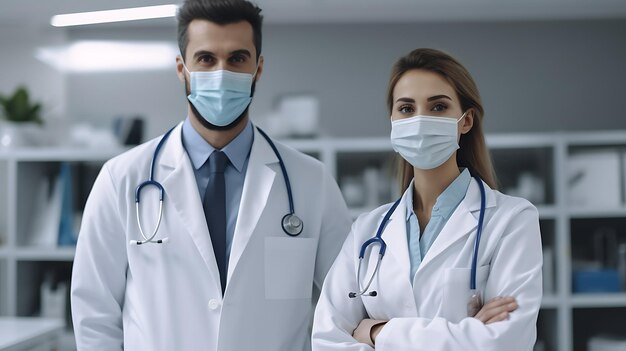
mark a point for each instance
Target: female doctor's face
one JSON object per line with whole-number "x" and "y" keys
{"x": 422, "y": 92}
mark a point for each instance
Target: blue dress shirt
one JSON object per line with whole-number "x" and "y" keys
{"x": 446, "y": 203}
{"x": 238, "y": 152}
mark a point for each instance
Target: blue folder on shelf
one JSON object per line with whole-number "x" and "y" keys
{"x": 66, "y": 226}
{"x": 596, "y": 281}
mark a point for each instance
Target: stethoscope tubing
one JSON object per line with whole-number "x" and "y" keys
{"x": 292, "y": 225}
{"x": 377, "y": 239}
{"x": 151, "y": 182}
{"x": 479, "y": 231}
{"x": 287, "y": 221}
{"x": 381, "y": 253}
{"x": 282, "y": 168}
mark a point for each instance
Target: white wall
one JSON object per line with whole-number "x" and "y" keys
{"x": 18, "y": 66}
{"x": 533, "y": 76}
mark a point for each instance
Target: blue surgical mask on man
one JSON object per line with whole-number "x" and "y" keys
{"x": 220, "y": 96}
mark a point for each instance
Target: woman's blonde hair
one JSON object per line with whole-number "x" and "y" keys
{"x": 473, "y": 152}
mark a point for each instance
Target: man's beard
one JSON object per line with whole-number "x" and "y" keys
{"x": 206, "y": 124}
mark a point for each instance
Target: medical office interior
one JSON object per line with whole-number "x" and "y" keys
{"x": 551, "y": 75}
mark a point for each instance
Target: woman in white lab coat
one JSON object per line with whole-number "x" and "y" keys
{"x": 420, "y": 298}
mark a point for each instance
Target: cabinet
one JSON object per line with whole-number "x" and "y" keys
{"x": 29, "y": 334}
{"x": 564, "y": 174}
{"x": 35, "y": 270}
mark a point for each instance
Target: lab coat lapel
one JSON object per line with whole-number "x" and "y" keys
{"x": 256, "y": 189}
{"x": 462, "y": 222}
{"x": 395, "y": 266}
{"x": 181, "y": 190}
{"x": 395, "y": 237}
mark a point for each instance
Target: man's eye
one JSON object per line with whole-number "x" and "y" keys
{"x": 205, "y": 59}
{"x": 238, "y": 59}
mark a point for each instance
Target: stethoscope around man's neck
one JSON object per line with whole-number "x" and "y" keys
{"x": 475, "y": 300}
{"x": 292, "y": 224}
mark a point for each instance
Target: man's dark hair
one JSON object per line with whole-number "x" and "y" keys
{"x": 220, "y": 12}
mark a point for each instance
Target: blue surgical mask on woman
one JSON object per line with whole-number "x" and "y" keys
{"x": 425, "y": 142}
{"x": 220, "y": 96}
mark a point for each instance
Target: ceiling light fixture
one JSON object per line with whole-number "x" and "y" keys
{"x": 120, "y": 15}
{"x": 110, "y": 56}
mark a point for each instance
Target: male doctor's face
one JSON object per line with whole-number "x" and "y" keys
{"x": 213, "y": 47}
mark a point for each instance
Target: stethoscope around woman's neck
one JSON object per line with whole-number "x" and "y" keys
{"x": 475, "y": 302}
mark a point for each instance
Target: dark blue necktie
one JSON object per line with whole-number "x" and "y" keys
{"x": 215, "y": 210}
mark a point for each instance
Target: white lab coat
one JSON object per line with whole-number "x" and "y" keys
{"x": 168, "y": 297}
{"x": 431, "y": 314}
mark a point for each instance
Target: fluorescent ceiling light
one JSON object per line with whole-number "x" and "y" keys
{"x": 129, "y": 14}
{"x": 107, "y": 56}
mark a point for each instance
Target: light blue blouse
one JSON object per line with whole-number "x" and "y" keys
{"x": 446, "y": 203}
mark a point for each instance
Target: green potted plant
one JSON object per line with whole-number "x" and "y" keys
{"x": 19, "y": 117}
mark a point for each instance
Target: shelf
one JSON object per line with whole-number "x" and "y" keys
{"x": 550, "y": 301}
{"x": 304, "y": 145}
{"x": 519, "y": 141}
{"x": 595, "y": 138}
{"x": 67, "y": 341}
{"x": 45, "y": 254}
{"x": 60, "y": 154}
{"x": 598, "y": 300}
{"x": 547, "y": 211}
{"x": 611, "y": 212}
{"x": 28, "y": 333}
{"x": 341, "y": 145}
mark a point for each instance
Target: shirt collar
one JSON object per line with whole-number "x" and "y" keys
{"x": 448, "y": 200}
{"x": 199, "y": 150}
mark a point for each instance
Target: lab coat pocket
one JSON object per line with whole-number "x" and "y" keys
{"x": 457, "y": 293}
{"x": 289, "y": 267}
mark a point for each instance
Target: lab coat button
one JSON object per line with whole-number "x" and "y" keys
{"x": 214, "y": 304}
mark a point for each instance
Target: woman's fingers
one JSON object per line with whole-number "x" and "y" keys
{"x": 496, "y": 309}
{"x": 499, "y": 317}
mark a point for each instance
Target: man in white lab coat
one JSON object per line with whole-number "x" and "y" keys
{"x": 220, "y": 273}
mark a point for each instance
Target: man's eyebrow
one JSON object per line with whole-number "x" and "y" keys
{"x": 241, "y": 52}
{"x": 203, "y": 53}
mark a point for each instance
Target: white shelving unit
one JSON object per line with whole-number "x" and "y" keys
{"x": 567, "y": 320}
{"x": 24, "y": 266}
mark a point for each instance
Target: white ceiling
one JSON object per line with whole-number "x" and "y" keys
{"x": 37, "y": 13}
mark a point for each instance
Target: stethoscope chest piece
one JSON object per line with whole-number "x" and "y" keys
{"x": 292, "y": 224}
{"x": 475, "y": 302}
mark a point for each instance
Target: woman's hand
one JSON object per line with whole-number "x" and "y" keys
{"x": 496, "y": 310}
{"x": 367, "y": 331}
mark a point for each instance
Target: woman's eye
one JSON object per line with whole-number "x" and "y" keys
{"x": 439, "y": 107}
{"x": 406, "y": 109}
